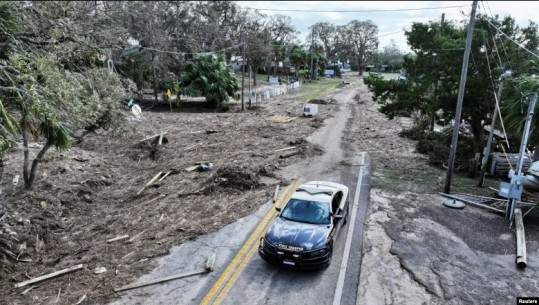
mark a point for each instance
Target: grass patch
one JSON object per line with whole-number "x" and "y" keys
{"x": 318, "y": 89}
{"x": 429, "y": 179}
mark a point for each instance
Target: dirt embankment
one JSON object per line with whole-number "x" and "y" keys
{"x": 92, "y": 193}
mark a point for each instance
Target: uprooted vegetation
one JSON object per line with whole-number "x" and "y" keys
{"x": 96, "y": 191}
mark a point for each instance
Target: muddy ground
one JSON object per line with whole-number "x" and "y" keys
{"x": 89, "y": 194}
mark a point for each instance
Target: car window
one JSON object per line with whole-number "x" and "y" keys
{"x": 306, "y": 211}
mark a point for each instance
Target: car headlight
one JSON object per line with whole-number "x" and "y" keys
{"x": 320, "y": 252}
{"x": 266, "y": 243}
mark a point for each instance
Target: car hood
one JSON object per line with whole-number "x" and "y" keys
{"x": 298, "y": 234}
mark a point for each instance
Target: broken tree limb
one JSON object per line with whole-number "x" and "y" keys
{"x": 290, "y": 154}
{"x": 81, "y": 300}
{"x": 160, "y": 139}
{"x": 161, "y": 280}
{"x": 152, "y": 137}
{"x": 136, "y": 236}
{"x": 283, "y": 149}
{"x": 521, "y": 239}
{"x": 164, "y": 176}
{"x": 150, "y": 182}
{"x": 210, "y": 263}
{"x": 117, "y": 238}
{"x": 48, "y": 276}
{"x": 154, "y": 179}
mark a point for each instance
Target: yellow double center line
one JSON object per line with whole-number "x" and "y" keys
{"x": 225, "y": 281}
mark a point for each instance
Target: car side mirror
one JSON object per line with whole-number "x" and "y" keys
{"x": 337, "y": 216}
{"x": 278, "y": 209}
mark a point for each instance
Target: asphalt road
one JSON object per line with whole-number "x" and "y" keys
{"x": 260, "y": 282}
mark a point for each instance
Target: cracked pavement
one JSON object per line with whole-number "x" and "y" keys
{"x": 417, "y": 251}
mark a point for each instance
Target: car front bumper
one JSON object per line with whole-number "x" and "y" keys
{"x": 294, "y": 260}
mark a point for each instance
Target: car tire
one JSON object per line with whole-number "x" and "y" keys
{"x": 345, "y": 220}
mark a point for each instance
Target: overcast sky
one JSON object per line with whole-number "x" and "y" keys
{"x": 390, "y": 22}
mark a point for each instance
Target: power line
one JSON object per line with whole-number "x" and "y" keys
{"x": 518, "y": 44}
{"x": 354, "y": 11}
{"x": 390, "y": 33}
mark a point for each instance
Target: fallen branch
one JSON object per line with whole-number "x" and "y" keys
{"x": 136, "y": 236}
{"x": 117, "y": 238}
{"x": 81, "y": 300}
{"x": 289, "y": 154}
{"x": 208, "y": 268}
{"x": 164, "y": 176}
{"x": 150, "y": 182}
{"x": 48, "y": 276}
{"x": 283, "y": 149}
{"x": 153, "y": 137}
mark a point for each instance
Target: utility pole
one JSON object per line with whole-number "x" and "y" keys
{"x": 242, "y": 75}
{"x": 312, "y": 53}
{"x": 250, "y": 93}
{"x": 443, "y": 18}
{"x": 486, "y": 150}
{"x": 460, "y": 97}
{"x": 511, "y": 205}
{"x": 154, "y": 78}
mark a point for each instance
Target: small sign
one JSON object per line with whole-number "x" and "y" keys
{"x": 169, "y": 94}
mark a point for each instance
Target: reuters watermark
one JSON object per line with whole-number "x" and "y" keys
{"x": 528, "y": 300}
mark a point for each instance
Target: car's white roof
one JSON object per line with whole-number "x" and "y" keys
{"x": 321, "y": 191}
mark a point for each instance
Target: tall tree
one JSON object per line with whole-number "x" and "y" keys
{"x": 362, "y": 40}
{"x": 326, "y": 35}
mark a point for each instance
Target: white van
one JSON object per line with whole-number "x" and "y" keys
{"x": 310, "y": 110}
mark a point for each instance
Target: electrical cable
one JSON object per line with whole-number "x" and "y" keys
{"x": 354, "y": 11}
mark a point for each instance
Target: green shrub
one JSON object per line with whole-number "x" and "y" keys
{"x": 436, "y": 146}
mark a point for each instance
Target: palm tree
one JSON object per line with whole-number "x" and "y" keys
{"x": 514, "y": 108}
{"x": 298, "y": 57}
{"x": 209, "y": 75}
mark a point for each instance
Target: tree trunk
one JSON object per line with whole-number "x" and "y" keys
{"x": 26, "y": 158}
{"x": 28, "y": 184}
{"x": 255, "y": 68}
{"x": 1, "y": 168}
{"x": 477, "y": 131}
{"x": 359, "y": 65}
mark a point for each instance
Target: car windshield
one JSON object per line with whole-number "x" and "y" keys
{"x": 306, "y": 211}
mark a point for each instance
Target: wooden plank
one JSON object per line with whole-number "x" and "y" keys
{"x": 283, "y": 149}
{"x": 48, "y": 276}
{"x": 117, "y": 238}
{"x": 150, "y": 182}
{"x": 152, "y": 137}
{"x": 164, "y": 176}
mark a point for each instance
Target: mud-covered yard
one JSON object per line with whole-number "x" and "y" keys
{"x": 95, "y": 192}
